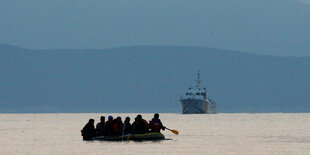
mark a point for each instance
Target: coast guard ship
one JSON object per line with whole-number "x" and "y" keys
{"x": 196, "y": 100}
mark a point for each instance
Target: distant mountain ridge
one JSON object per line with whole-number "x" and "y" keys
{"x": 149, "y": 79}
{"x": 4, "y": 47}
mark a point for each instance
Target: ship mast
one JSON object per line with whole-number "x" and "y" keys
{"x": 198, "y": 80}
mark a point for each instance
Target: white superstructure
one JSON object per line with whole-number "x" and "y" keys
{"x": 196, "y": 100}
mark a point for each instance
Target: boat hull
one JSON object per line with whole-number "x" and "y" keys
{"x": 197, "y": 106}
{"x": 138, "y": 137}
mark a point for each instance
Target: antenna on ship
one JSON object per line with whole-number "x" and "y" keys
{"x": 198, "y": 79}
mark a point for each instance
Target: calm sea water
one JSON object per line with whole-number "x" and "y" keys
{"x": 199, "y": 134}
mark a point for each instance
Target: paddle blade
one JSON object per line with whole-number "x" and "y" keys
{"x": 175, "y": 132}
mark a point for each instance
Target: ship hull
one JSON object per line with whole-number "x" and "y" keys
{"x": 196, "y": 106}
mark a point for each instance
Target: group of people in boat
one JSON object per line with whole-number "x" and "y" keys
{"x": 116, "y": 127}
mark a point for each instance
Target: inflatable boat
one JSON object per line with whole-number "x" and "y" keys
{"x": 138, "y": 137}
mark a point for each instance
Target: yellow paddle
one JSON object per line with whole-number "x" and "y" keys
{"x": 173, "y": 131}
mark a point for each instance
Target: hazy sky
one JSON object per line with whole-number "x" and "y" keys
{"x": 274, "y": 27}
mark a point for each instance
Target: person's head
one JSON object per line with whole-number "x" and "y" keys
{"x": 127, "y": 119}
{"x": 156, "y": 115}
{"x": 119, "y": 119}
{"x": 110, "y": 118}
{"x": 91, "y": 121}
{"x": 102, "y": 118}
{"x": 139, "y": 117}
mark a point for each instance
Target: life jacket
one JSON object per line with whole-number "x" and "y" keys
{"x": 145, "y": 123}
{"x": 156, "y": 125}
{"x": 115, "y": 126}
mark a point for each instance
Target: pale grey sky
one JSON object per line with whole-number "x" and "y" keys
{"x": 273, "y": 27}
{"x": 305, "y": 1}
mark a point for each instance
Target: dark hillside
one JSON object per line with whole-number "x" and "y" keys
{"x": 149, "y": 79}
